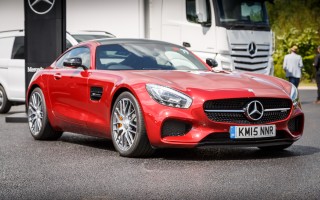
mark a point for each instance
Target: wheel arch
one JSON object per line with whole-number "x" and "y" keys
{"x": 126, "y": 88}
{"x": 30, "y": 91}
{"x": 117, "y": 93}
{"x": 120, "y": 90}
{"x": 4, "y": 86}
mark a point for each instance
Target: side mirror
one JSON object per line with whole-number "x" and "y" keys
{"x": 74, "y": 63}
{"x": 201, "y": 10}
{"x": 212, "y": 62}
{"x": 200, "y": 18}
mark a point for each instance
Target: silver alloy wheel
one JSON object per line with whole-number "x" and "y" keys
{"x": 1, "y": 99}
{"x": 35, "y": 113}
{"x": 124, "y": 124}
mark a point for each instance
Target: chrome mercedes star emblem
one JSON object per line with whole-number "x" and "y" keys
{"x": 41, "y": 6}
{"x": 252, "y": 48}
{"x": 254, "y": 110}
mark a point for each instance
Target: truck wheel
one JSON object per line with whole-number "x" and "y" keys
{"x": 128, "y": 131}
{"x": 39, "y": 125}
{"x": 5, "y": 104}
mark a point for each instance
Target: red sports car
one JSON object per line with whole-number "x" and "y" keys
{"x": 147, "y": 94}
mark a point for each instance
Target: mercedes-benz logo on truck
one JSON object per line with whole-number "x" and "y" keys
{"x": 41, "y": 7}
{"x": 252, "y": 48}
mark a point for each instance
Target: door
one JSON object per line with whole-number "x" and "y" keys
{"x": 68, "y": 91}
{"x": 198, "y": 37}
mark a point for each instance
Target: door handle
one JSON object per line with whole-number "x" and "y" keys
{"x": 186, "y": 44}
{"x": 57, "y": 76}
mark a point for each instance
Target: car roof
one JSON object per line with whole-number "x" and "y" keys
{"x": 91, "y": 32}
{"x": 11, "y": 33}
{"x": 130, "y": 40}
{"x": 20, "y": 32}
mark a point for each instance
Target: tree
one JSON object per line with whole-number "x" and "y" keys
{"x": 295, "y": 22}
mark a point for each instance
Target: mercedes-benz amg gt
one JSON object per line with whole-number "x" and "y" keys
{"x": 146, "y": 94}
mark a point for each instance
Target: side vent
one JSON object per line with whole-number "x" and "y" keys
{"x": 96, "y": 93}
{"x": 174, "y": 127}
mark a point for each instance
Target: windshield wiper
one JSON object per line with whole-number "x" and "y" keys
{"x": 246, "y": 25}
{"x": 236, "y": 26}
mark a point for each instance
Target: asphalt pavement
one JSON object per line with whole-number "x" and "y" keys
{"x": 82, "y": 167}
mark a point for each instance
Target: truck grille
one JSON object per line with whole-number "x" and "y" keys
{"x": 233, "y": 110}
{"x": 254, "y": 60}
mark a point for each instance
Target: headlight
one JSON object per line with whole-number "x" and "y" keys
{"x": 294, "y": 95}
{"x": 168, "y": 97}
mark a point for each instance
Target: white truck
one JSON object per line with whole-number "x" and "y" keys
{"x": 236, "y": 33}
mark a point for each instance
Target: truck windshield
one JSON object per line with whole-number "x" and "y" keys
{"x": 242, "y": 14}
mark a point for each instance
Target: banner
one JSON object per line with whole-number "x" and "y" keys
{"x": 45, "y": 34}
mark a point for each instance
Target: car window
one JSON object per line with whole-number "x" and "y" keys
{"x": 68, "y": 44}
{"x": 18, "y": 48}
{"x": 146, "y": 56}
{"x": 80, "y": 52}
{"x": 191, "y": 11}
{"x": 6, "y": 47}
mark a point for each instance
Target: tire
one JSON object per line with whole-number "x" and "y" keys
{"x": 5, "y": 104}
{"x": 39, "y": 125}
{"x": 275, "y": 148}
{"x": 128, "y": 131}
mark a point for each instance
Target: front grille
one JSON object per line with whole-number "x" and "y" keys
{"x": 243, "y": 60}
{"x": 224, "y": 138}
{"x": 222, "y": 110}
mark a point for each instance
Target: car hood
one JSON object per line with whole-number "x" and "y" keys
{"x": 240, "y": 84}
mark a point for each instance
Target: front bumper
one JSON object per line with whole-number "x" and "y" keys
{"x": 191, "y": 127}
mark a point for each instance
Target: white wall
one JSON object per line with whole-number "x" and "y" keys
{"x": 11, "y": 14}
{"x": 84, "y": 15}
{"x": 121, "y": 19}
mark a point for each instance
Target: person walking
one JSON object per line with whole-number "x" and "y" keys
{"x": 292, "y": 65}
{"x": 316, "y": 64}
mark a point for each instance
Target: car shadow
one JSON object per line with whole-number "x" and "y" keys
{"x": 202, "y": 153}
{"x": 232, "y": 153}
{"x": 94, "y": 142}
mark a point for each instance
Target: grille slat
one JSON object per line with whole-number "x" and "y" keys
{"x": 241, "y": 55}
{"x": 240, "y": 104}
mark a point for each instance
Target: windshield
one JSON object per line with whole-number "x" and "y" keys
{"x": 146, "y": 56}
{"x": 242, "y": 13}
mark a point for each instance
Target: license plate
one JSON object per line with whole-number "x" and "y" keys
{"x": 245, "y": 132}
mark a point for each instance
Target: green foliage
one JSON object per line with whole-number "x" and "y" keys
{"x": 306, "y": 40}
{"x": 255, "y": 16}
{"x": 295, "y": 22}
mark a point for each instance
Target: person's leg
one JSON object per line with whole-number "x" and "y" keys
{"x": 294, "y": 81}
{"x": 290, "y": 79}
{"x": 297, "y": 81}
{"x": 318, "y": 84}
